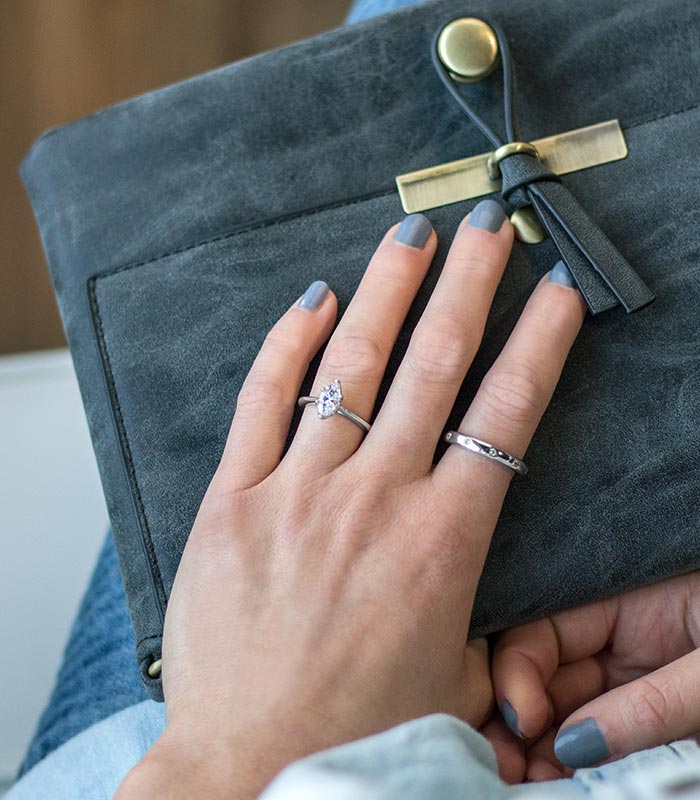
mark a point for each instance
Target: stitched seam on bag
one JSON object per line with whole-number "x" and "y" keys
{"x": 146, "y": 639}
{"x": 330, "y": 207}
{"x": 247, "y": 229}
{"x": 157, "y": 585}
{"x": 665, "y": 115}
{"x": 156, "y": 581}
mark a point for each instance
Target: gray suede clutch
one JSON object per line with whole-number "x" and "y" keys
{"x": 179, "y": 225}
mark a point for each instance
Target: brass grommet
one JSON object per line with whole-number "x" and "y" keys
{"x": 505, "y": 150}
{"x": 468, "y": 47}
{"x": 528, "y": 227}
{"x": 155, "y": 668}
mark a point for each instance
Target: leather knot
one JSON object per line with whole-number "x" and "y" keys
{"x": 517, "y": 172}
{"x": 603, "y": 275}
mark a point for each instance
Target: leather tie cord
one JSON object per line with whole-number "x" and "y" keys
{"x": 603, "y": 275}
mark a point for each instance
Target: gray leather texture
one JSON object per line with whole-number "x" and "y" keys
{"x": 179, "y": 225}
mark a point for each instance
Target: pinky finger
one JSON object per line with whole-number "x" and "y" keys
{"x": 267, "y": 399}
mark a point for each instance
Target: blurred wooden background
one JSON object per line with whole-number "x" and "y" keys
{"x": 62, "y": 59}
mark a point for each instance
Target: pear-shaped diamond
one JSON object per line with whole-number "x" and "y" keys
{"x": 329, "y": 399}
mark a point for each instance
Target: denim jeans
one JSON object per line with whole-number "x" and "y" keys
{"x": 98, "y": 675}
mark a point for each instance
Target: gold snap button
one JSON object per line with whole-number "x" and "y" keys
{"x": 154, "y": 668}
{"x": 468, "y": 47}
{"x": 528, "y": 227}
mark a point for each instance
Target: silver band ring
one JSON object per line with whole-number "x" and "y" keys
{"x": 486, "y": 449}
{"x": 329, "y": 402}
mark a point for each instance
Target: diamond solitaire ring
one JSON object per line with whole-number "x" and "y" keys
{"x": 486, "y": 449}
{"x": 329, "y": 402}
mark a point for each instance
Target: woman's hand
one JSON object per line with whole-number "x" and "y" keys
{"x": 326, "y": 595}
{"x": 617, "y": 676}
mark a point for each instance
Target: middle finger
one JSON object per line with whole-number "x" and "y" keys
{"x": 444, "y": 342}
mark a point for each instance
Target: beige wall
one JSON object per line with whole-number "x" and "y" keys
{"x": 61, "y": 59}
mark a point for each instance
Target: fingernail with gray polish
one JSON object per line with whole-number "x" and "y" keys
{"x": 511, "y": 718}
{"x": 581, "y": 744}
{"x": 560, "y": 274}
{"x": 314, "y": 295}
{"x": 487, "y": 215}
{"x": 414, "y": 231}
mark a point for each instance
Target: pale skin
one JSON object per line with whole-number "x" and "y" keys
{"x": 325, "y": 593}
{"x": 631, "y": 663}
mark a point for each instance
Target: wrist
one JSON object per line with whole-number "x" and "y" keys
{"x": 172, "y": 769}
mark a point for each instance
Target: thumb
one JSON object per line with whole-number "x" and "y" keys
{"x": 655, "y": 709}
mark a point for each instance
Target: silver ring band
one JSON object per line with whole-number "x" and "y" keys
{"x": 485, "y": 449}
{"x": 329, "y": 402}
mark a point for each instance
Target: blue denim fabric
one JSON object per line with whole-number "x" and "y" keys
{"x": 99, "y": 675}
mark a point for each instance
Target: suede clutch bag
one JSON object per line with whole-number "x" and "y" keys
{"x": 180, "y": 224}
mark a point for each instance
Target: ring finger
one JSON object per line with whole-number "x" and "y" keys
{"x": 516, "y": 390}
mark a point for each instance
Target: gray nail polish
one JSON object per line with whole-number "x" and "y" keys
{"x": 413, "y": 231}
{"x": 487, "y": 215}
{"x": 560, "y": 274}
{"x": 581, "y": 744}
{"x": 314, "y": 295}
{"x": 511, "y": 718}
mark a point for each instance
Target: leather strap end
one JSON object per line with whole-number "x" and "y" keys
{"x": 604, "y": 276}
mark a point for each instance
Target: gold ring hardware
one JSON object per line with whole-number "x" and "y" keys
{"x": 505, "y": 150}
{"x": 468, "y": 47}
{"x": 466, "y": 178}
{"x": 155, "y": 668}
{"x": 528, "y": 228}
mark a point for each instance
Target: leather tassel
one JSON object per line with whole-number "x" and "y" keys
{"x": 603, "y": 275}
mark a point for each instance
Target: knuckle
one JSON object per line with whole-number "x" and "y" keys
{"x": 444, "y": 553}
{"x": 475, "y": 264}
{"x": 439, "y": 353}
{"x": 355, "y": 355}
{"x": 287, "y": 342}
{"x": 547, "y": 320}
{"x": 212, "y": 527}
{"x": 359, "y": 514}
{"x": 218, "y": 538}
{"x": 379, "y": 470}
{"x": 369, "y": 499}
{"x": 514, "y": 395}
{"x": 440, "y": 554}
{"x": 388, "y": 278}
{"x": 261, "y": 390}
{"x": 654, "y": 704}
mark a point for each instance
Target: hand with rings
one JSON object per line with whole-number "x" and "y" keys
{"x": 325, "y": 592}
